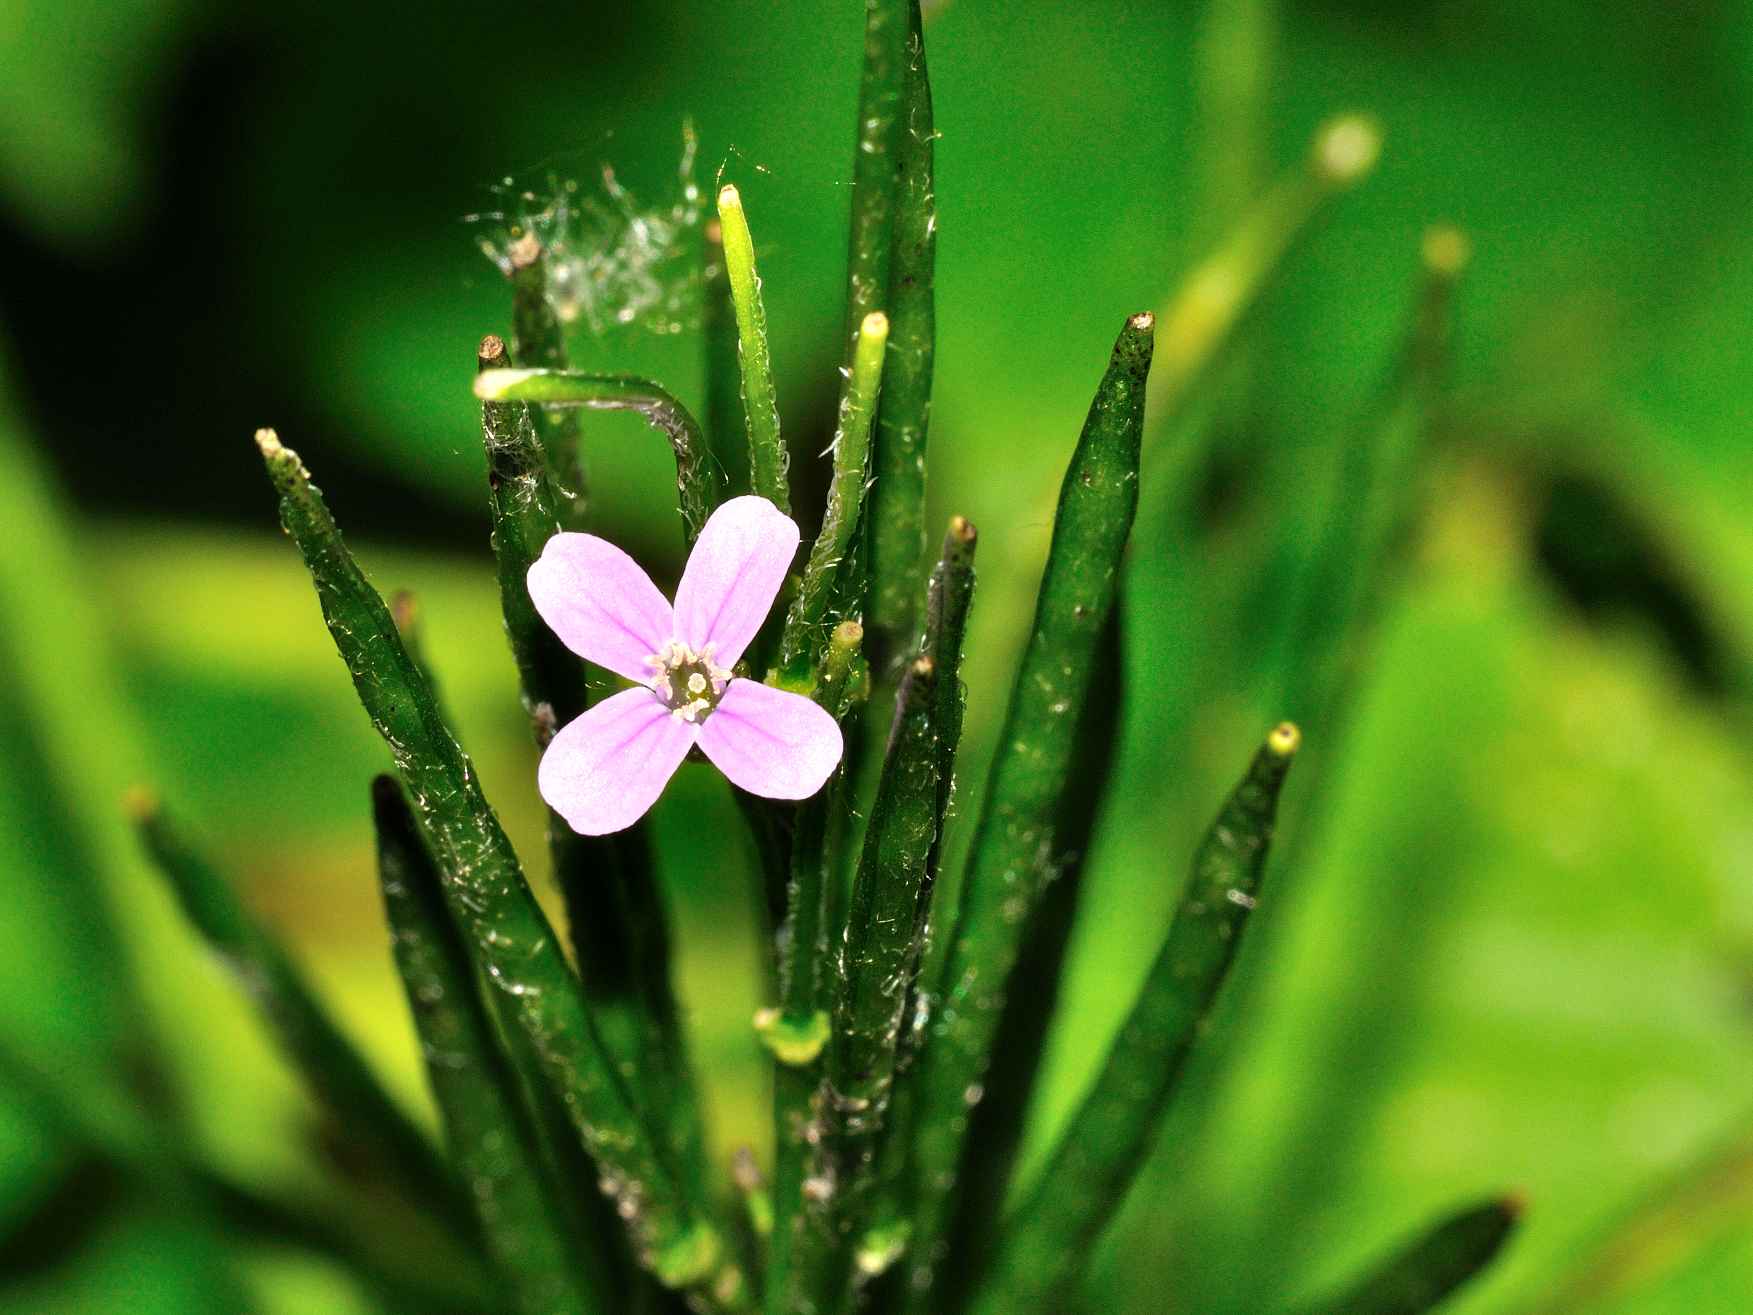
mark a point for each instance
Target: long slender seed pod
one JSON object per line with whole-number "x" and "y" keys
{"x": 509, "y": 936}
{"x": 803, "y": 642}
{"x": 1422, "y": 1273}
{"x": 337, "y": 1073}
{"x": 996, "y": 1127}
{"x": 726, "y": 426}
{"x": 1212, "y": 299}
{"x": 486, "y": 1127}
{"x": 949, "y": 598}
{"x": 768, "y": 460}
{"x": 880, "y": 98}
{"x": 1323, "y": 661}
{"x": 898, "y": 449}
{"x": 1108, "y": 1139}
{"x": 698, "y": 485}
{"x": 880, "y": 949}
{"x": 1013, "y": 852}
{"x": 539, "y": 343}
{"x": 798, "y": 1029}
{"x": 613, "y": 907}
{"x": 1374, "y": 494}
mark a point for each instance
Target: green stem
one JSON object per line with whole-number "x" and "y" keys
{"x": 768, "y": 460}
{"x": 1014, "y": 852}
{"x": 1424, "y": 1272}
{"x": 803, "y": 643}
{"x": 898, "y": 461}
{"x": 697, "y": 484}
{"x": 334, "y": 1068}
{"x": 1107, "y": 1142}
{"x": 878, "y": 956}
{"x": 539, "y": 343}
{"x": 510, "y": 937}
{"x": 486, "y": 1127}
{"x": 613, "y": 906}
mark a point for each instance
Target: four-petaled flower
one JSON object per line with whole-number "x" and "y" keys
{"x": 604, "y": 769}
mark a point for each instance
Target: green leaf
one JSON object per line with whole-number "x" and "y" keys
{"x": 510, "y": 937}
{"x": 768, "y": 460}
{"x": 1013, "y": 853}
{"x": 1108, "y": 1140}
{"x": 491, "y": 1140}
{"x": 337, "y": 1073}
{"x": 698, "y": 484}
{"x": 1423, "y": 1273}
{"x": 898, "y": 450}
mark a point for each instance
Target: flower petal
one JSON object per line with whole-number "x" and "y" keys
{"x": 601, "y": 603}
{"x": 770, "y": 741}
{"x": 733, "y": 575}
{"x": 604, "y": 769}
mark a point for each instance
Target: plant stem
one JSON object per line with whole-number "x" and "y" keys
{"x": 510, "y": 937}
{"x": 768, "y": 460}
{"x": 898, "y": 462}
{"x": 697, "y": 484}
{"x": 803, "y": 643}
{"x": 1013, "y": 853}
{"x": 1107, "y": 1142}
{"x": 491, "y": 1142}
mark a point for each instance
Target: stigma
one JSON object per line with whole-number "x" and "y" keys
{"x": 687, "y": 681}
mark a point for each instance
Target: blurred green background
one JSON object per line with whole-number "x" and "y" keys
{"x": 1515, "y": 946}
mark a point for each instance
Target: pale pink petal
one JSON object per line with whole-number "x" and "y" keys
{"x": 604, "y": 769}
{"x": 771, "y": 742}
{"x": 601, "y": 603}
{"x": 733, "y": 575}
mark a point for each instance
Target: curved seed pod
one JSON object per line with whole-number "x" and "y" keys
{"x": 490, "y": 1138}
{"x": 1108, "y": 1140}
{"x": 508, "y": 934}
{"x": 1013, "y": 854}
{"x": 698, "y": 486}
{"x": 614, "y": 912}
{"x": 1425, "y": 1271}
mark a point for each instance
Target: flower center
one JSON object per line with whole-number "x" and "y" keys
{"x": 687, "y": 682}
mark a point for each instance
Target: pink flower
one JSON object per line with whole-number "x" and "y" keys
{"x": 602, "y": 771}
